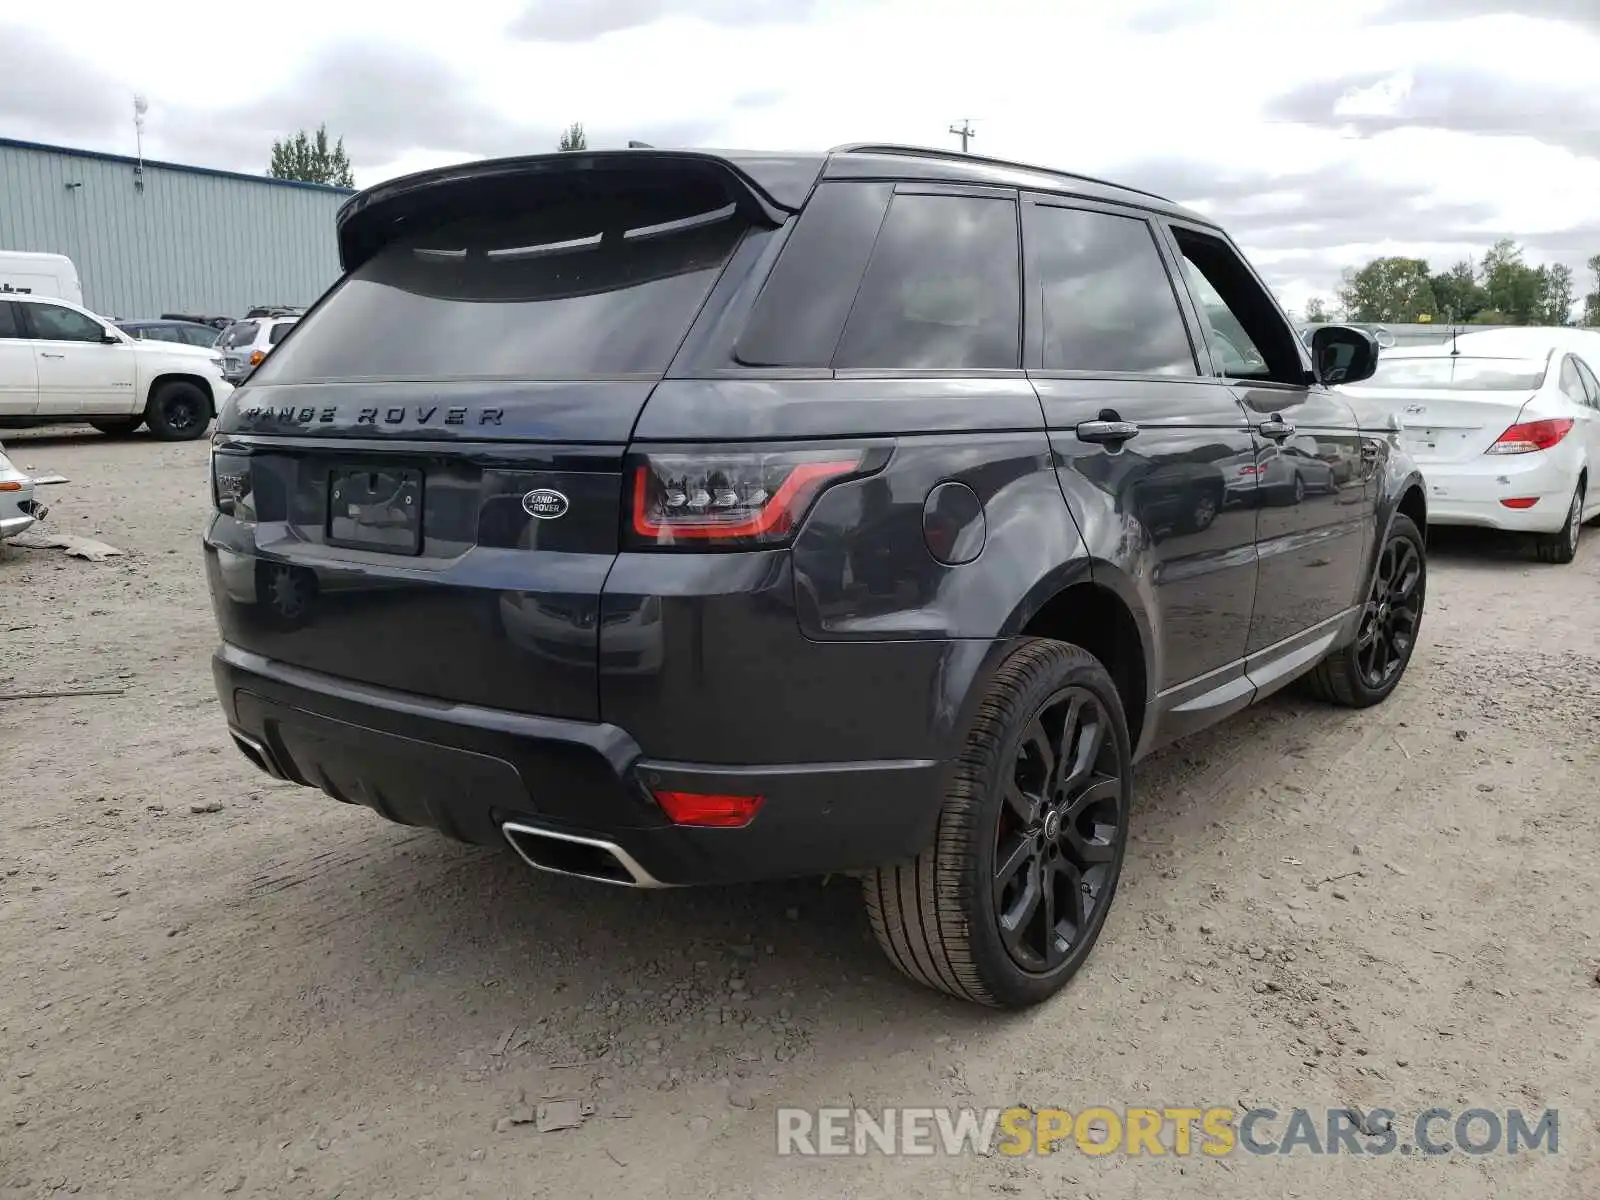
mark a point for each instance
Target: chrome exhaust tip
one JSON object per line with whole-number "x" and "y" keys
{"x": 256, "y": 753}
{"x": 580, "y": 857}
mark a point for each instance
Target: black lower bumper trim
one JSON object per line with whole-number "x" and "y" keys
{"x": 467, "y": 772}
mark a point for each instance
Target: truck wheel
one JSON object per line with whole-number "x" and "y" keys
{"x": 178, "y": 412}
{"x": 1370, "y": 667}
{"x": 1006, "y": 904}
{"x": 118, "y": 427}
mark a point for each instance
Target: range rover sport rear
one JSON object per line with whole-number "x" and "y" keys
{"x": 681, "y": 517}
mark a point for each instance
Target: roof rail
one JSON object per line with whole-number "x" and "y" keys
{"x": 962, "y": 156}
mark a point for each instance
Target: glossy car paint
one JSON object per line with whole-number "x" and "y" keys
{"x": 543, "y": 671}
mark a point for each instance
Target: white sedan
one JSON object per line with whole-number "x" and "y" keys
{"x": 17, "y": 506}
{"x": 1504, "y": 424}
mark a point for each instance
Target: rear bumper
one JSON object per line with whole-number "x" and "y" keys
{"x": 468, "y": 771}
{"x": 1472, "y": 495}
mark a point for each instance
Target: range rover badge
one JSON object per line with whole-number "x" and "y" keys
{"x": 545, "y": 503}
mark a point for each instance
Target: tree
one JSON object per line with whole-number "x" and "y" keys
{"x": 572, "y": 138}
{"x": 1397, "y": 290}
{"x": 1591, "y": 302}
{"x": 311, "y": 159}
{"x": 1317, "y": 311}
{"x": 1457, "y": 293}
{"x": 1511, "y": 287}
{"x": 1555, "y": 298}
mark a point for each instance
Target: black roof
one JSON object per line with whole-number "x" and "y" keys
{"x": 885, "y": 160}
{"x": 141, "y": 322}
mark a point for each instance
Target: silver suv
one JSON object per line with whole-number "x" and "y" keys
{"x": 245, "y": 343}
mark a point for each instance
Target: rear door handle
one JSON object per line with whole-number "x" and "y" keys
{"x": 47, "y": 354}
{"x": 1277, "y": 428}
{"x": 1108, "y": 430}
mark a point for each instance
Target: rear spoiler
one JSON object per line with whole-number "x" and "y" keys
{"x": 769, "y": 187}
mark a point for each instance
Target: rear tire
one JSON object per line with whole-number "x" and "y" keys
{"x": 1038, "y": 806}
{"x": 119, "y": 426}
{"x": 178, "y": 412}
{"x": 1561, "y": 547}
{"x": 1364, "y": 672}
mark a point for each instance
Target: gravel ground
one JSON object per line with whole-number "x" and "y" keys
{"x": 215, "y": 984}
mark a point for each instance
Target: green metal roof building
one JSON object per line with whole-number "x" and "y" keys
{"x": 153, "y": 237}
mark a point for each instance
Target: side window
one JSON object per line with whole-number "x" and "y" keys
{"x": 797, "y": 319}
{"x": 1590, "y": 383}
{"x": 51, "y": 322}
{"x": 1571, "y": 383}
{"x": 1249, "y": 337}
{"x": 200, "y": 335}
{"x": 942, "y": 291}
{"x": 275, "y": 334}
{"x": 1105, "y": 299}
{"x": 10, "y": 326}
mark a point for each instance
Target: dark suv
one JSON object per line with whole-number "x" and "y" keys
{"x": 685, "y": 517}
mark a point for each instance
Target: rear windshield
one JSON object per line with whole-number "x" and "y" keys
{"x": 240, "y": 334}
{"x": 589, "y": 284}
{"x": 1461, "y": 374}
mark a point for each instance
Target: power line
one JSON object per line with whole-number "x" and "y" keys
{"x": 965, "y": 132}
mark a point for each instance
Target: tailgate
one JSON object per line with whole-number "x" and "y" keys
{"x": 421, "y": 487}
{"x": 467, "y": 569}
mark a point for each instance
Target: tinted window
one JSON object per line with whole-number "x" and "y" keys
{"x": 599, "y": 284}
{"x": 1571, "y": 384}
{"x": 1104, "y": 297}
{"x": 276, "y": 334}
{"x": 941, "y": 292}
{"x": 9, "y": 327}
{"x": 53, "y": 323}
{"x": 199, "y": 335}
{"x": 802, "y": 307}
{"x": 242, "y": 333}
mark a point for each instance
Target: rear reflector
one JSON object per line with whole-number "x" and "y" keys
{"x": 1521, "y": 502}
{"x": 10, "y": 486}
{"x": 1528, "y": 436}
{"x": 716, "y": 812}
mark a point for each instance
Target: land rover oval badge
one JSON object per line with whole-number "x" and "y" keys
{"x": 545, "y": 503}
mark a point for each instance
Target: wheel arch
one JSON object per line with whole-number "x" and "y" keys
{"x": 169, "y": 377}
{"x": 1092, "y": 604}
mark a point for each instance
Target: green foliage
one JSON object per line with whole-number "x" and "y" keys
{"x": 1501, "y": 289}
{"x": 1388, "y": 289}
{"x": 311, "y": 159}
{"x": 572, "y": 138}
{"x": 1317, "y": 311}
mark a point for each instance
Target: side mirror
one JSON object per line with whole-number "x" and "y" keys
{"x": 1343, "y": 354}
{"x": 109, "y": 338}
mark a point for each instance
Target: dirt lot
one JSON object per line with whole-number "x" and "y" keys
{"x": 289, "y": 997}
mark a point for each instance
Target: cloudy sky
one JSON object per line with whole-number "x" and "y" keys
{"x": 1322, "y": 134}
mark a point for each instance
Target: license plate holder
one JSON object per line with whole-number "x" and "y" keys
{"x": 375, "y": 508}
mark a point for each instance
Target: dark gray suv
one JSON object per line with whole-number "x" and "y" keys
{"x": 690, "y": 517}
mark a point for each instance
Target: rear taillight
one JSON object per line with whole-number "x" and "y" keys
{"x": 1528, "y": 436}
{"x": 710, "y": 498}
{"x": 230, "y": 484}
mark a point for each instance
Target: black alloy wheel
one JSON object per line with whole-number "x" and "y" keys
{"x": 1392, "y": 614}
{"x": 1058, "y": 831}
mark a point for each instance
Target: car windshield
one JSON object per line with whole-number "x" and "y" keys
{"x": 1459, "y": 373}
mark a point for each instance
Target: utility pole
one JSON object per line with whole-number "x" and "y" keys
{"x": 965, "y": 132}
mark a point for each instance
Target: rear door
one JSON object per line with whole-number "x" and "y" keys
{"x": 79, "y": 371}
{"x": 19, "y": 373}
{"x": 429, "y": 471}
{"x": 1591, "y": 387}
{"x": 1114, "y": 346}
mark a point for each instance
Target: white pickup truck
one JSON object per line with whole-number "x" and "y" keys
{"x": 59, "y": 363}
